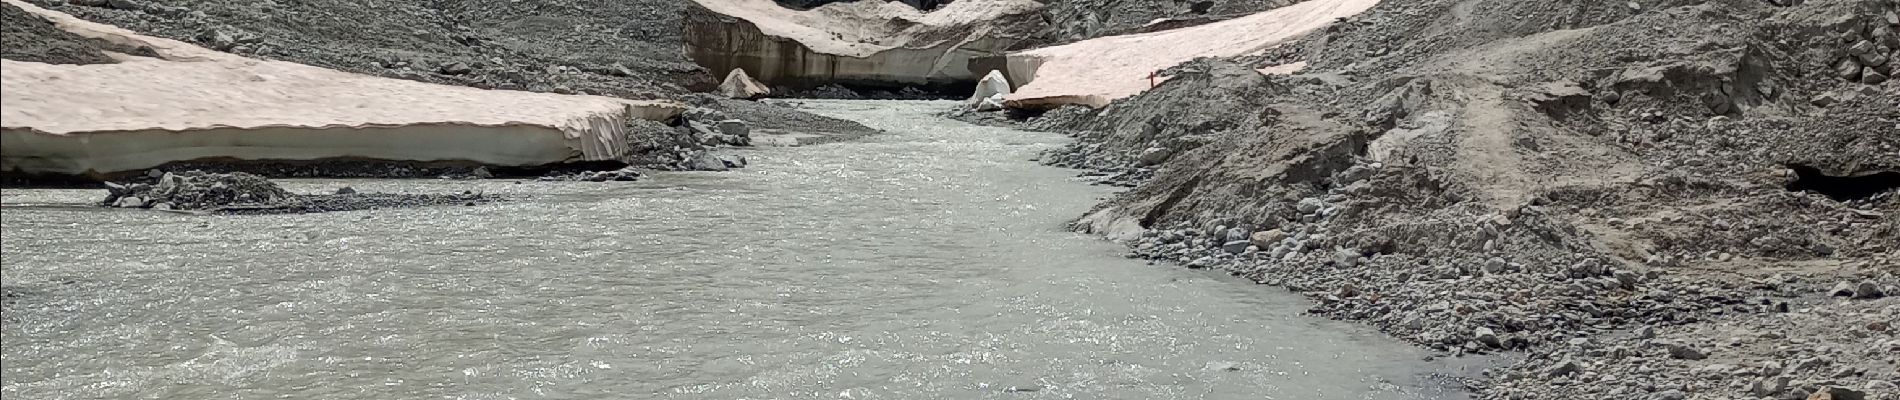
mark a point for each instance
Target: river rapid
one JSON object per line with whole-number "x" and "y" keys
{"x": 930, "y": 262}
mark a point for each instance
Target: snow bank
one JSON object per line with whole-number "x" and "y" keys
{"x": 1097, "y": 71}
{"x": 194, "y": 103}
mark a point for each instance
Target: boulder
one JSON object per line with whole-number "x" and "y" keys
{"x": 734, "y": 127}
{"x": 1848, "y": 69}
{"x": 1867, "y": 290}
{"x": 738, "y": 85}
{"x": 704, "y": 161}
{"x": 734, "y": 161}
{"x": 991, "y": 85}
{"x": 1153, "y": 156}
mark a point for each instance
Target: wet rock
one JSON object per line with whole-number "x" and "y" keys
{"x": 704, "y": 161}
{"x": 346, "y": 190}
{"x": 733, "y": 161}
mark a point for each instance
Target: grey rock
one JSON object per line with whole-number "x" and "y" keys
{"x": 1495, "y": 266}
{"x": 1346, "y": 258}
{"x": 1565, "y": 368}
{"x": 1235, "y": 246}
{"x": 1848, "y": 69}
{"x": 456, "y": 68}
{"x": 1268, "y": 238}
{"x": 1353, "y": 174}
{"x": 481, "y": 173}
{"x": 133, "y": 5}
{"x": 703, "y": 161}
{"x": 734, "y": 127}
{"x": 1842, "y": 289}
{"x": 1867, "y": 290}
{"x": 734, "y": 161}
{"x": 1874, "y": 59}
{"x": 1310, "y": 205}
{"x": 346, "y": 190}
{"x": 1671, "y": 394}
{"x": 154, "y": 173}
{"x": 89, "y": 3}
{"x": 1873, "y": 77}
{"x": 1684, "y": 352}
{"x": 1487, "y": 336}
{"x": 1153, "y": 156}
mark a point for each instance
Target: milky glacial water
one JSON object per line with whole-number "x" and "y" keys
{"x": 930, "y": 262}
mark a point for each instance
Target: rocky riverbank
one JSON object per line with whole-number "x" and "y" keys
{"x": 1651, "y": 200}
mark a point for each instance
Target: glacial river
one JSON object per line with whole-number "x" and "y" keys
{"x": 927, "y": 263}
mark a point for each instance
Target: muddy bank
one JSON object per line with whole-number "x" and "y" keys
{"x": 1614, "y": 191}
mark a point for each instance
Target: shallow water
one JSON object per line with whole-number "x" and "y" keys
{"x": 930, "y": 262}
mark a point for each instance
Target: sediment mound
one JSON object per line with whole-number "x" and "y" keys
{"x": 1603, "y": 186}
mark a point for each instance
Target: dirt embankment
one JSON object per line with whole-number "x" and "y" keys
{"x": 1604, "y": 187}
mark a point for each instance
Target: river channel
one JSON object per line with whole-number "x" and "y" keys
{"x": 930, "y": 262}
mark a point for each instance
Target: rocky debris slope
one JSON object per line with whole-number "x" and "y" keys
{"x": 242, "y": 193}
{"x": 1551, "y": 178}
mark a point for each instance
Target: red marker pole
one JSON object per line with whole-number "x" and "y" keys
{"x": 1151, "y": 79}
